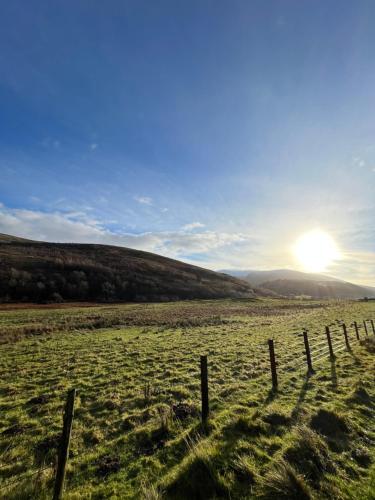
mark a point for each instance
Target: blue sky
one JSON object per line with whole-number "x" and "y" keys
{"x": 215, "y": 132}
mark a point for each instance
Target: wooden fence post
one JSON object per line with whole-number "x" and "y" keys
{"x": 373, "y": 327}
{"x": 271, "y": 348}
{"x": 365, "y": 325}
{"x": 204, "y": 388}
{"x": 64, "y": 445}
{"x": 346, "y": 335}
{"x": 356, "y": 329}
{"x": 328, "y": 333}
{"x": 307, "y": 352}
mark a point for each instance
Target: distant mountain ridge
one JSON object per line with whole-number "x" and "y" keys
{"x": 290, "y": 283}
{"x": 41, "y": 272}
{"x": 258, "y": 277}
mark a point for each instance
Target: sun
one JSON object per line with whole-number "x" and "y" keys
{"x": 315, "y": 251}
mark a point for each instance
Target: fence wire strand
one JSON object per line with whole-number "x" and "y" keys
{"x": 318, "y": 348}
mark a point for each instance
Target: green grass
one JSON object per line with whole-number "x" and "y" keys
{"x": 137, "y": 433}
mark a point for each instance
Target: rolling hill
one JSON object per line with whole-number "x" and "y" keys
{"x": 290, "y": 283}
{"x": 42, "y": 272}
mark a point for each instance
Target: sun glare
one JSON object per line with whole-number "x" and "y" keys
{"x": 315, "y": 251}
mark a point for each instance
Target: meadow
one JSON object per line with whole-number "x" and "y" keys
{"x": 137, "y": 431}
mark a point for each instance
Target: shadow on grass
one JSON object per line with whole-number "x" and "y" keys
{"x": 369, "y": 345}
{"x": 356, "y": 359}
{"x": 271, "y": 396}
{"x": 182, "y": 446}
{"x": 333, "y": 372}
{"x": 302, "y": 395}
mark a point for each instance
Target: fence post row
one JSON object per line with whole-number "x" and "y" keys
{"x": 63, "y": 451}
{"x": 64, "y": 445}
{"x": 365, "y": 325}
{"x": 328, "y": 333}
{"x": 204, "y": 388}
{"x": 307, "y": 352}
{"x": 271, "y": 348}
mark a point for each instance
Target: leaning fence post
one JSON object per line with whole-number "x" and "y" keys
{"x": 271, "y": 348}
{"x": 373, "y": 327}
{"x": 307, "y": 352}
{"x": 328, "y": 333}
{"x": 64, "y": 445}
{"x": 365, "y": 325}
{"x": 346, "y": 335}
{"x": 204, "y": 388}
{"x": 356, "y": 329}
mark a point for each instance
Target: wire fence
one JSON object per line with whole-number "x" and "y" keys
{"x": 306, "y": 349}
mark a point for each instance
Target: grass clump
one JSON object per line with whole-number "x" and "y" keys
{"x": 107, "y": 465}
{"x": 149, "y": 491}
{"x": 243, "y": 425}
{"x": 245, "y": 469}
{"x": 309, "y": 454}
{"x": 148, "y": 440}
{"x": 198, "y": 476}
{"x": 333, "y": 427}
{"x": 276, "y": 416}
{"x": 361, "y": 396}
{"x": 362, "y": 456}
{"x": 282, "y": 482}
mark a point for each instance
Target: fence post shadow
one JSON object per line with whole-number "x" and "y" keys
{"x": 333, "y": 371}
{"x": 301, "y": 396}
{"x": 271, "y": 395}
{"x": 356, "y": 359}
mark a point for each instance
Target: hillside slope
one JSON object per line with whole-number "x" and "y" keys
{"x": 290, "y": 283}
{"x": 256, "y": 277}
{"x": 317, "y": 289}
{"x": 260, "y": 277}
{"x": 38, "y": 271}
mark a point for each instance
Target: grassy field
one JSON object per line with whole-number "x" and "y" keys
{"x": 137, "y": 431}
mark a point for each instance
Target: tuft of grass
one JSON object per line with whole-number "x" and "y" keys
{"x": 198, "y": 476}
{"x": 360, "y": 396}
{"x": 93, "y": 437}
{"x": 282, "y": 482}
{"x": 149, "y": 491}
{"x": 276, "y": 416}
{"x": 243, "y": 425}
{"x": 106, "y": 465}
{"x": 309, "y": 454}
{"x": 245, "y": 468}
{"x": 333, "y": 426}
{"x": 362, "y": 456}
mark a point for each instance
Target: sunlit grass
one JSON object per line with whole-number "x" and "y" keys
{"x": 137, "y": 431}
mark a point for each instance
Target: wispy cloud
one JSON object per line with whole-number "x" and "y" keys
{"x": 93, "y": 146}
{"x": 264, "y": 244}
{"x": 192, "y": 225}
{"x": 78, "y": 227}
{"x": 143, "y": 200}
{"x": 359, "y": 162}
